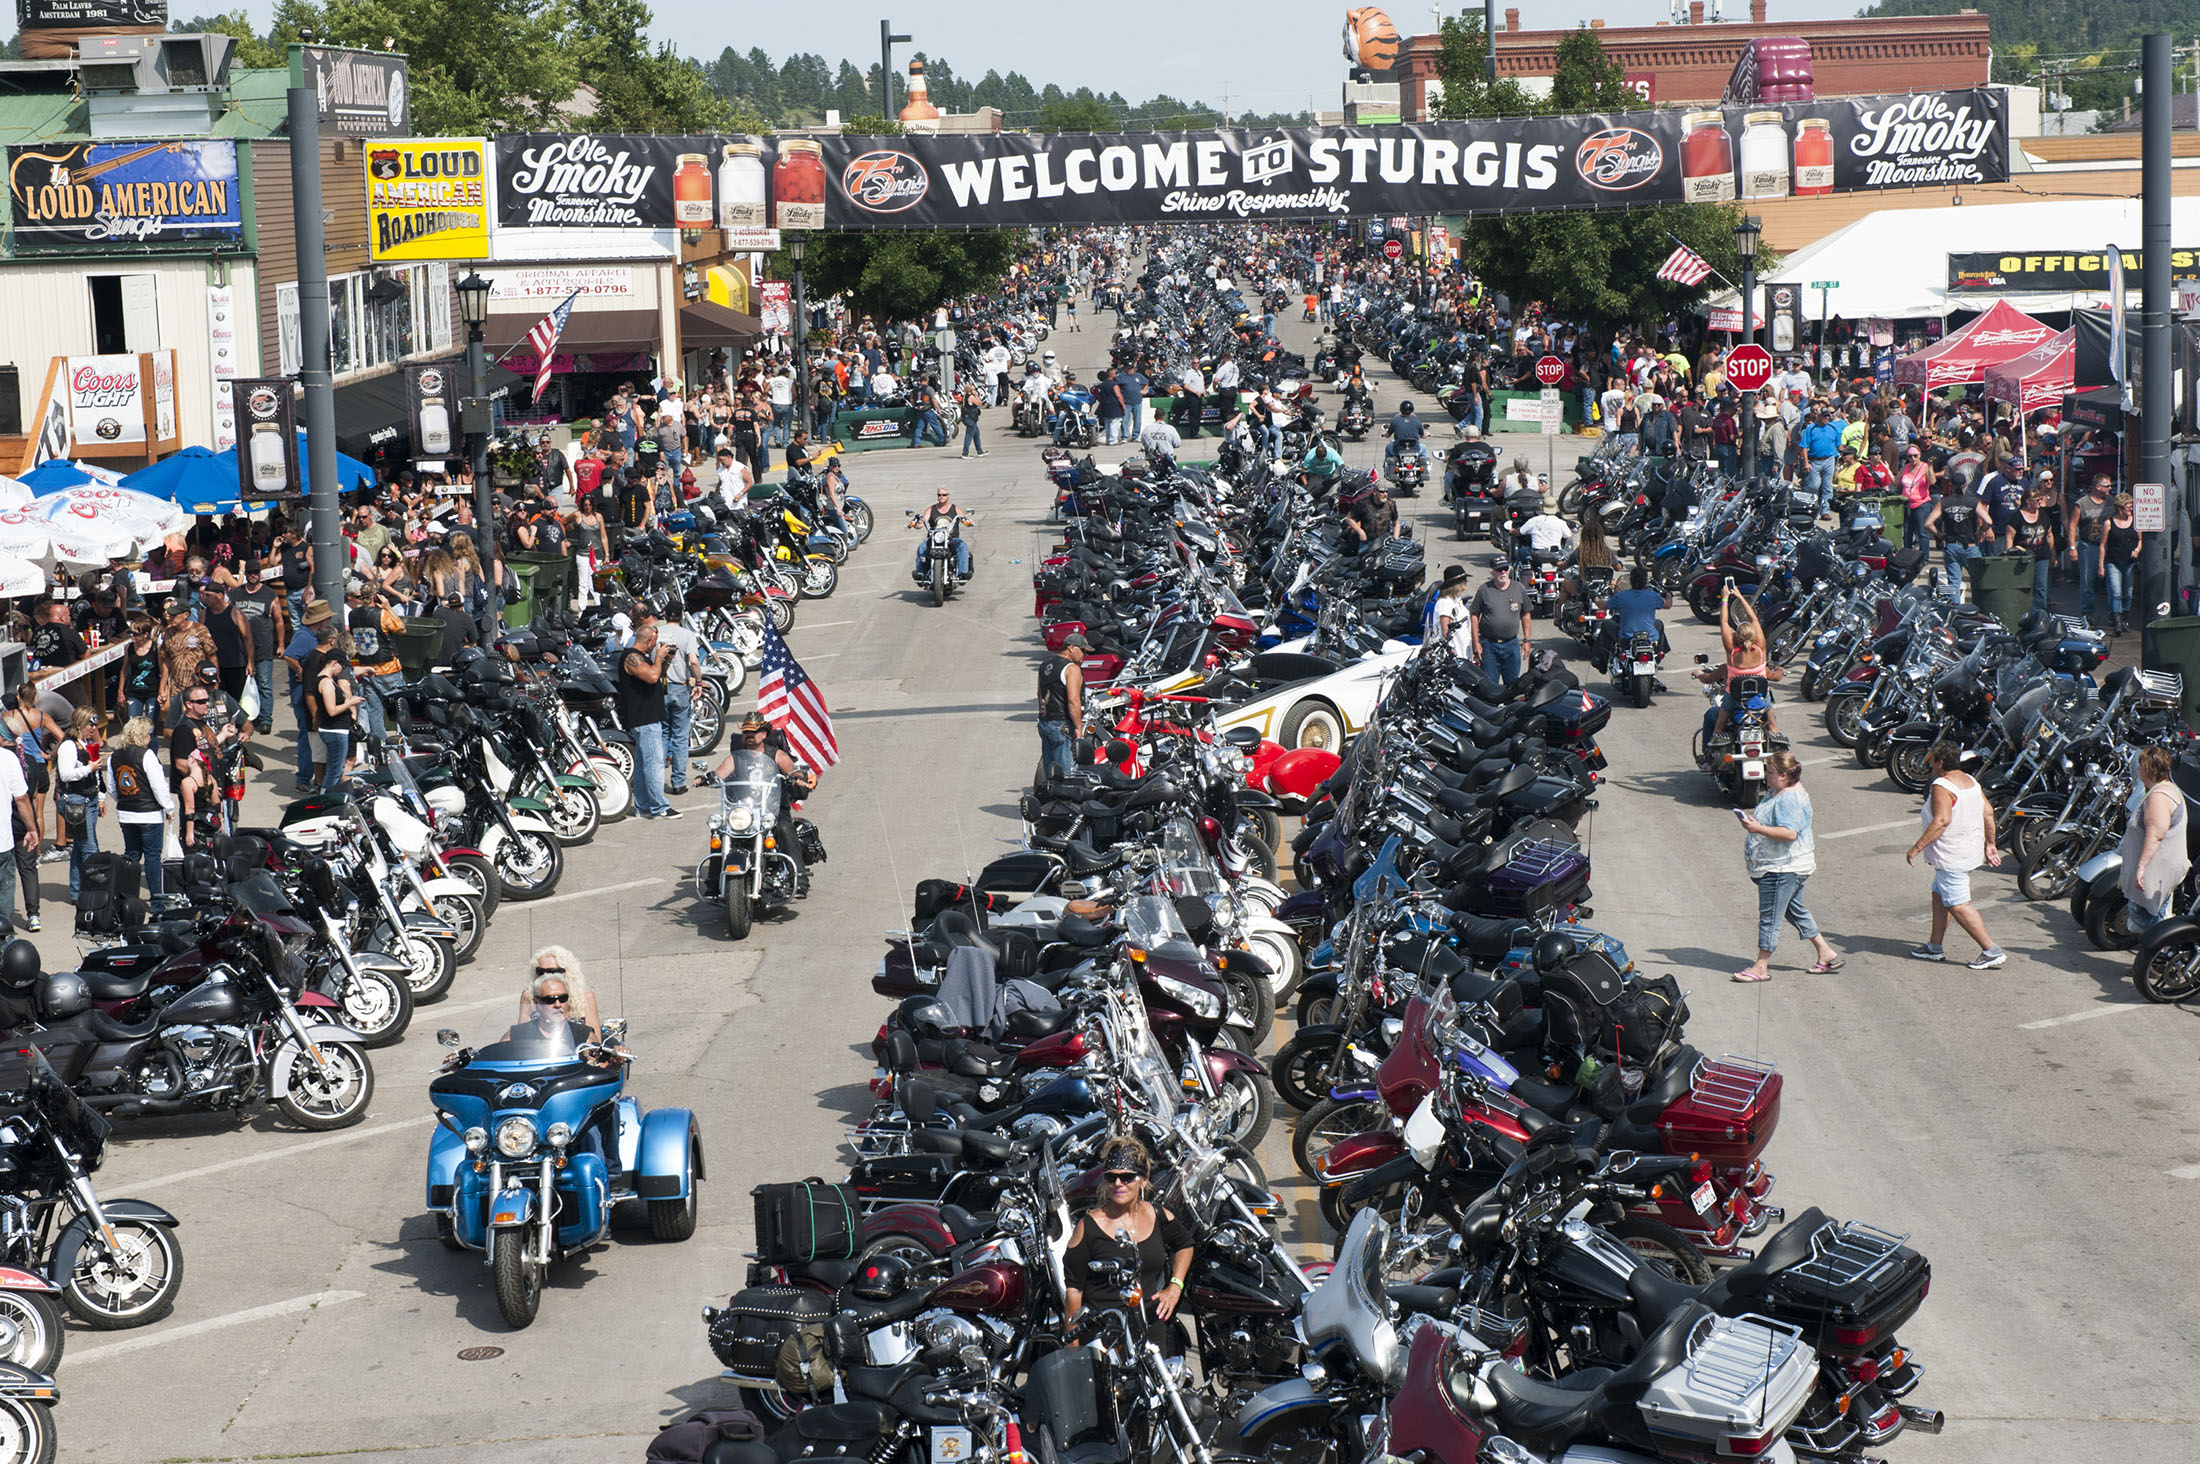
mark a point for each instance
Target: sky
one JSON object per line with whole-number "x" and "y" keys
{"x": 1289, "y": 58}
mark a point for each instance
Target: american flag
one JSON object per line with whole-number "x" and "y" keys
{"x": 789, "y": 700}
{"x": 1685, "y": 267}
{"x": 543, "y": 341}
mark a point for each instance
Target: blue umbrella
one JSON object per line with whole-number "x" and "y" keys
{"x": 198, "y": 479}
{"x": 350, "y": 472}
{"x": 55, "y": 474}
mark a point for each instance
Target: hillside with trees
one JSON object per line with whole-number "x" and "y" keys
{"x": 2088, "y": 48}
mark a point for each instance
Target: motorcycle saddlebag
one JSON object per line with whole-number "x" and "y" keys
{"x": 806, "y": 1221}
{"x": 109, "y": 903}
{"x": 685, "y": 1442}
{"x": 813, "y": 842}
{"x": 837, "y": 1430}
{"x": 1577, "y": 714}
{"x": 1858, "y": 1281}
{"x": 750, "y": 1333}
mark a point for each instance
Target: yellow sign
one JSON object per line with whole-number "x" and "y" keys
{"x": 428, "y": 198}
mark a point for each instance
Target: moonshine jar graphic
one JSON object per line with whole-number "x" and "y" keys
{"x": 1765, "y": 169}
{"x": 1813, "y": 157}
{"x": 798, "y": 184}
{"x": 435, "y": 428}
{"x": 691, "y": 191}
{"x": 270, "y": 470}
{"x": 741, "y": 188}
{"x": 1707, "y": 158}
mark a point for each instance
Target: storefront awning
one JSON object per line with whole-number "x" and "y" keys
{"x": 705, "y": 324}
{"x": 631, "y": 330}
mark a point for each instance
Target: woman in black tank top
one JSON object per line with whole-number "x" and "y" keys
{"x": 2032, "y": 531}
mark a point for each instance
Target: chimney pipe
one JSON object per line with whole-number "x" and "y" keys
{"x": 1756, "y": 12}
{"x": 1512, "y": 19}
{"x": 1695, "y": 12}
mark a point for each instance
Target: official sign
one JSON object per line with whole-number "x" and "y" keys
{"x": 359, "y": 93}
{"x": 1481, "y": 166}
{"x": 1394, "y": 248}
{"x": 1554, "y": 408}
{"x": 78, "y": 195}
{"x": 428, "y": 198}
{"x": 2149, "y": 508}
{"x": 1550, "y": 371}
{"x": 1988, "y": 272}
{"x": 1748, "y": 367}
{"x": 267, "y": 447}
{"x": 106, "y": 397}
{"x": 90, "y": 14}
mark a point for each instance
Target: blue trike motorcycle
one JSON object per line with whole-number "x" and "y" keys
{"x": 537, "y": 1143}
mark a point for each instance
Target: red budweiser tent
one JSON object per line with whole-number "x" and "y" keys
{"x": 2001, "y": 334}
{"x": 2038, "y": 378}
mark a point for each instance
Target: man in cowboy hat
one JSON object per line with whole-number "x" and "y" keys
{"x": 755, "y": 736}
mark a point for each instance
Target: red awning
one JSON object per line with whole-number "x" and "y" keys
{"x": 2038, "y": 378}
{"x": 2002, "y": 334}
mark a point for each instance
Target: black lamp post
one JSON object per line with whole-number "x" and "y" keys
{"x": 801, "y": 326}
{"x": 473, "y": 308}
{"x": 1746, "y": 234}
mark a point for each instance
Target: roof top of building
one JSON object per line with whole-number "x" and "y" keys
{"x": 33, "y": 109}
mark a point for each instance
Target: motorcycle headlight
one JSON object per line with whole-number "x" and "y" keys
{"x": 516, "y": 1138}
{"x": 741, "y": 819}
{"x": 477, "y": 1140}
{"x": 559, "y": 1135}
{"x": 1205, "y": 1003}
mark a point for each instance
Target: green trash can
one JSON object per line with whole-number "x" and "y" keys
{"x": 553, "y": 577}
{"x": 2001, "y": 585}
{"x": 1892, "y": 514}
{"x": 2173, "y": 644}
{"x": 521, "y": 611}
{"x": 417, "y": 644}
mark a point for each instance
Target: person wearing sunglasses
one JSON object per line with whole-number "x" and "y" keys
{"x": 1126, "y": 1228}
{"x": 557, "y": 990}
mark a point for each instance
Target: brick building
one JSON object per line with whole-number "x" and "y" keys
{"x": 1679, "y": 65}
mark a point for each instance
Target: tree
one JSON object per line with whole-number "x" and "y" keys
{"x": 904, "y": 275}
{"x": 639, "y": 89}
{"x": 251, "y": 50}
{"x": 1600, "y": 265}
{"x": 1078, "y": 114}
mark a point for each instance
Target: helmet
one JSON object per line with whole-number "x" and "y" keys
{"x": 63, "y": 994}
{"x": 882, "y": 1278}
{"x": 1553, "y": 949}
{"x": 1470, "y": 432}
{"x": 466, "y": 658}
{"x": 928, "y": 1019}
{"x": 19, "y": 968}
{"x": 1406, "y": 407}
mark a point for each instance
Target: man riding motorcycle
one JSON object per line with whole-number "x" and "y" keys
{"x": 756, "y": 737}
{"x": 944, "y": 510}
{"x": 1403, "y": 430}
{"x": 1635, "y": 611}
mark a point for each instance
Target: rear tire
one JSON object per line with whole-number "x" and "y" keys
{"x": 1642, "y": 692}
{"x": 2169, "y": 974}
{"x": 672, "y": 1220}
{"x": 1661, "y": 1246}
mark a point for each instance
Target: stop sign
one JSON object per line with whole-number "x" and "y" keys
{"x": 1550, "y": 370}
{"x": 1748, "y": 367}
{"x": 1393, "y": 248}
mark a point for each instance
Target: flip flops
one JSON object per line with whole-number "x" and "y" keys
{"x": 1827, "y": 968}
{"x": 1752, "y": 976}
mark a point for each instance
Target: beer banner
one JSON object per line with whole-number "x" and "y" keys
{"x": 1992, "y": 272}
{"x": 431, "y": 405}
{"x": 267, "y": 439}
{"x": 359, "y": 93}
{"x": 628, "y": 181}
{"x": 72, "y": 195}
{"x": 106, "y": 397}
{"x": 428, "y": 198}
{"x": 1486, "y": 166}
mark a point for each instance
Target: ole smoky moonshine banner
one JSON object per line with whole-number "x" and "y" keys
{"x": 1714, "y": 154}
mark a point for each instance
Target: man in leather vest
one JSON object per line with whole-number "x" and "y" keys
{"x": 1061, "y": 706}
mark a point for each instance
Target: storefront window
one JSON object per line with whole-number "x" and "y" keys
{"x": 343, "y": 334}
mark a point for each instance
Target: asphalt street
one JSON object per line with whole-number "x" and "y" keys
{"x": 2034, "y": 1129}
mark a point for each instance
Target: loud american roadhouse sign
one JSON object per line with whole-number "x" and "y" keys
{"x": 428, "y": 198}
{"x": 1714, "y": 154}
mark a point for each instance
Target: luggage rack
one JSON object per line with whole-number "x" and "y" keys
{"x": 1730, "y": 1084}
{"x": 1737, "y": 1361}
{"x": 2162, "y": 689}
{"x": 1538, "y": 859}
{"x": 1845, "y": 1252}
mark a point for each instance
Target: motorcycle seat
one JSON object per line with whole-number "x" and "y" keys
{"x": 878, "y": 1383}
{"x": 1434, "y": 1300}
{"x": 112, "y": 986}
{"x": 1486, "y": 938}
{"x": 1790, "y": 1247}
{"x": 958, "y": 929}
{"x": 1024, "y": 1022}
{"x": 1084, "y": 859}
{"x": 1552, "y": 1098}
{"x": 1543, "y": 1416}
{"x": 1670, "y": 1085}
{"x": 107, "y": 1029}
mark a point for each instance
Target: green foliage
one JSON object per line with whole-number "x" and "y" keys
{"x": 640, "y": 89}
{"x": 2098, "y": 40}
{"x": 1599, "y": 265}
{"x": 251, "y": 51}
{"x": 893, "y": 275}
{"x": 1077, "y": 114}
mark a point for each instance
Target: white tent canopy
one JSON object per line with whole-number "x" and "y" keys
{"x": 1894, "y": 263}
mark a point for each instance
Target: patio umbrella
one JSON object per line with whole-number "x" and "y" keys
{"x": 13, "y": 494}
{"x": 197, "y": 480}
{"x": 141, "y": 514}
{"x": 55, "y": 474}
{"x": 20, "y": 577}
{"x": 27, "y": 533}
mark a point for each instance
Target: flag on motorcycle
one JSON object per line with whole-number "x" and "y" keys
{"x": 1685, "y": 267}
{"x": 789, "y": 700}
{"x": 543, "y": 341}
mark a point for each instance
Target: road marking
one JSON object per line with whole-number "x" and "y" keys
{"x": 265, "y": 1156}
{"x": 2085, "y": 1016}
{"x": 216, "y": 1324}
{"x": 1819, "y": 762}
{"x": 1900, "y": 823}
{"x": 2186, "y": 1171}
{"x": 632, "y": 884}
{"x": 823, "y": 624}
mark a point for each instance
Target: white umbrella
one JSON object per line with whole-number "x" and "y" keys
{"x": 141, "y": 514}
{"x": 20, "y": 577}
{"x": 27, "y": 533}
{"x": 14, "y": 494}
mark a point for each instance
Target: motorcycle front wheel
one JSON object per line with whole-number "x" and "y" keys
{"x": 739, "y": 914}
{"x": 334, "y": 1098}
{"x": 614, "y": 793}
{"x": 27, "y": 1434}
{"x": 529, "y": 865}
{"x": 820, "y": 577}
{"x": 2170, "y": 973}
{"x": 132, "y": 1285}
{"x": 1248, "y": 1104}
{"x": 780, "y": 610}
{"x": 707, "y": 717}
{"x": 859, "y": 519}
{"x": 1252, "y": 1001}
{"x": 39, "y": 1335}
{"x": 573, "y": 814}
{"x": 463, "y": 913}
{"x": 1906, "y": 765}
{"x": 518, "y": 1279}
{"x": 1845, "y": 718}
{"x": 376, "y": 1005}
{"x": 2052, "y": 867}
{"x": 430, "y": 966}
{"x": 477, "y": 871}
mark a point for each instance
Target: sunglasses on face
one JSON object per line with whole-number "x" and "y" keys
{"x": 559, "y": 1000}
{"x": 1120, "y": 1176}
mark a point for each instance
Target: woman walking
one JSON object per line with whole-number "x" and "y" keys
{"x": 971, "y": 399}
{"x": 1780, "y": 856}
{"x": 1957, "y": 838}
{"x": 2118, "y": 567}
{"x": 2031, "y": 531}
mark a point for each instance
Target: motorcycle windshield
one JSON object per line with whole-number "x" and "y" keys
{"x": 1150, "y": 922}
{"x": 748, "y": 797}
{"x": 529, "y": 1033}
{"x": 1185, "y": 867}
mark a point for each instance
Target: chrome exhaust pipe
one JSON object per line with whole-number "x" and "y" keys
{"x": 1926, "y": 1420}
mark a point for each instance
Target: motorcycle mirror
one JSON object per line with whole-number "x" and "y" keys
{"x": 1702, "y": 660}
{"x": 614, "y": 1030}
{"x": 447, "y": 1036}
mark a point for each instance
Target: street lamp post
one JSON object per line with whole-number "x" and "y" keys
{"x": 1746, "y": 234}
{"x": 801, "y": 325}
{"x": 473, "y": 308}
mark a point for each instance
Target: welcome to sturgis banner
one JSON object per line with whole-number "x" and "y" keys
{"x": 1489, "y": 166}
